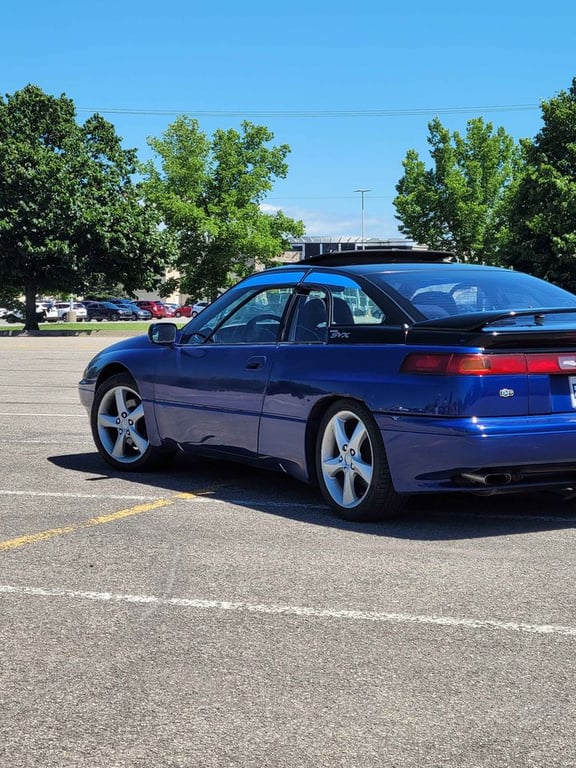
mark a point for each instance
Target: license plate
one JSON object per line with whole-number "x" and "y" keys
{"x": 572, "y": 384}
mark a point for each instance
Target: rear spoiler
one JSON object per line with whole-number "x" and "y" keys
{"x": 479, "y": 321}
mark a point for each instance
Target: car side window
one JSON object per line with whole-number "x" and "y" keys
{"x": 255, "y": 321}
{"x": 350, "y": 304}
{"x": 310, "y": 318}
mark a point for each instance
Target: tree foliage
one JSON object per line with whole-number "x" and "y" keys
{"x": 70, "y": 214}
{"x": 542, "y": 212}
{"x": 209, "y": 193}
{"x": 459, "y": 203}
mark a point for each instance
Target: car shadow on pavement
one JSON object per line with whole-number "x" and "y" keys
{"x": 425, "y": 517}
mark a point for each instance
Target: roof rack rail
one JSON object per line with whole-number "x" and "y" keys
{"x": 379, "y": 256}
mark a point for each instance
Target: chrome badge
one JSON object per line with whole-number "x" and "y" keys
{"x": 506, "y": 393}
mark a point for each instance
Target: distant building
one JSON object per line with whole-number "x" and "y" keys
{"x": 308, "y": 246}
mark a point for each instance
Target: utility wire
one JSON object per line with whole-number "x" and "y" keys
{"x": 312, "y": 114}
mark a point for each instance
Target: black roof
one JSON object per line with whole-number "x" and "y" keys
{"x": 379, "y": 256}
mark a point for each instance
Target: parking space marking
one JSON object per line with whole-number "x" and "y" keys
{"x": 50, "y": 533}
{"x": 38, "y": 413}
{"x": 298, "y": 611}
{"x": 63, "y": 495}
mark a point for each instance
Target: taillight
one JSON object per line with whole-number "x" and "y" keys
{"x": 458, "y": 364}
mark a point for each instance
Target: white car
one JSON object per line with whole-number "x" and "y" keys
{"x": 49, "y": 311}
{"x": 198, "y": 307}
{"x": 45, "y": 313}
{"x": 63, "y": 309}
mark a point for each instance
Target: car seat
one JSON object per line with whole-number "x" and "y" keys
{"x": 435, "y": 304}
{"x": 342, "y": 314}
{"x": 311, "y": 323}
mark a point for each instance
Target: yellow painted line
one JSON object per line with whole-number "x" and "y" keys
{"x": 50, "y": 533}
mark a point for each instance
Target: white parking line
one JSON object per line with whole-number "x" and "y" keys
{"x": 34, "y": 414}
{"x": 294, "y": 610}
{"x": 258, "y": 503}
{"x": 62, "y": 495}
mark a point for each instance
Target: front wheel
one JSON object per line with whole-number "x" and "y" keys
{"x": 351, "y": 465}
{"x": 119, "y": 426}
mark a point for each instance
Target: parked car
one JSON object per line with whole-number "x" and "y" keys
{"x": 44, "y": 313}
{"x": 156, "y": 308}
{"x": 182, "y": 310}
{"x": 190, "y": 310}
{"x": 136, "y": 312}
{"x": 106, "y": 310}
{"x": 49, "y": 311}
{"x": 198, "y": 307}
{"x": 3, "y": 312}
{"x": 169, "y": 309}
{"x": 457, "y": 378}
{"x": 63, "y": 308}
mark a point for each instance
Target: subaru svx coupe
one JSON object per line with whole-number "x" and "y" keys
{"x": 373, "y": 374}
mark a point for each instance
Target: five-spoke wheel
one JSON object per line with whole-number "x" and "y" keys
{"x": 351, "y": 464}
{"x": 119, "y": 426}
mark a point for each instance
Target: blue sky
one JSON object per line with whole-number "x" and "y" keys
{"x": 350, "y": 87}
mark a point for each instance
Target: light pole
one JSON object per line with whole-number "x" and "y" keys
{"x": 362, "y": 192}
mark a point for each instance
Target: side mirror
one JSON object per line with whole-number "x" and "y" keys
{"x": 163, "y": 333}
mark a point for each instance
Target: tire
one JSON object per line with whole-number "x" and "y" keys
{"x": 351, "y": 465}
{"x": 133, "y": 316}
{"x": 114, "y": 317}
{"x": 178, "y": 314}
{"x": 119, "y": 427}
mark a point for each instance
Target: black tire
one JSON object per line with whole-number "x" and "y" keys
{"x": 114, "y": 317}
{"x": 121, "y": 434}
{"x": 351, "y": 465}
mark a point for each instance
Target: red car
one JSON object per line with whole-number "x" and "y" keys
{"x": 183, "y": 310}
{"x": 171, "y": 310}
{"x": 155, "y": 307}
{"x": 188, "y": 310}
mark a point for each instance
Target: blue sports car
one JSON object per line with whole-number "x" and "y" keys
{"x": 374, "y": 374}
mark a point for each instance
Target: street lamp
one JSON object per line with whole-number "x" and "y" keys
{"x": 362, "y": 192}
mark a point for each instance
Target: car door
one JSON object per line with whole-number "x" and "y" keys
{"x": 210, "y": 388}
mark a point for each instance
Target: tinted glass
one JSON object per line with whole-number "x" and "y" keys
{"x": 448, "y": 291}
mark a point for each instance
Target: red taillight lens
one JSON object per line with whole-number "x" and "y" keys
{"x": 545, "y": 363}
{"x": 480, "y": 365}
{"x": 422, "y": 363}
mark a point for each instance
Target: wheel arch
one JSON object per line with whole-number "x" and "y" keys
{"x": 111, "y": 369}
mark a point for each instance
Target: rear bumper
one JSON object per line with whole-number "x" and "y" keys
{"x": 494, "y": 455}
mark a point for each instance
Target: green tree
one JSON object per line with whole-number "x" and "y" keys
{"x": 542, "y": 211}
{"x": 459, "y": 203}
{"x": 70, "y": 213}
{"x": 209, "y": 193}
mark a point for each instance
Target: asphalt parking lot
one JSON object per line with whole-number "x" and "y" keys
{"x": 214, "y": 616}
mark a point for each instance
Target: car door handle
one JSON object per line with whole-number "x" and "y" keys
{"x": 255, "y": 363}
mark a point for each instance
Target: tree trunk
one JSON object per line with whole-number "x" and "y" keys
{"x": 30, "y": 321}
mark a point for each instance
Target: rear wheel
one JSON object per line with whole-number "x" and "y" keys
{"x": 351, "y": 465}
{"x": 119, "y": 427}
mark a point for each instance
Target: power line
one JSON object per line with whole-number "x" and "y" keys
{"x": 313, "y": 114}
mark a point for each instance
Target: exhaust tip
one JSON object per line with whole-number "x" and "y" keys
{"x": 487, "y": 478}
